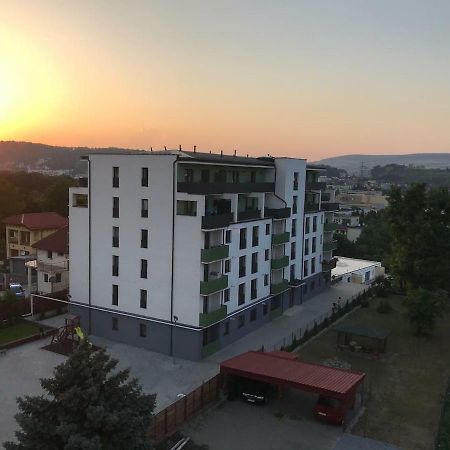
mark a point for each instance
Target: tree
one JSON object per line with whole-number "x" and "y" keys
{"x": 423, "y": 307}
{"x": 88, "y": 406}
{"x": 9, "y": 305}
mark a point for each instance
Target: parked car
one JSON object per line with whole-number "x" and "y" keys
{"x": 329, "y": 410}
{"x": 17, "y": 289}
{"x": 256, "y": 392}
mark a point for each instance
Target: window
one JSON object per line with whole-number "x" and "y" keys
{"x": 226, "y": 295}
{"x": 305, "y": 268}
{"x": 228, "y": 236}
{"x": 254, "y": 262}
{"x": 295, "y": 181}
{"x": 242, "y": 266}
{"x": 227, "y": 267}
{"x": 144, "y": 207}
{"x": 266, "y": 279}
{"x": 294, "y": 227}
{"x": 58, "y": 278}
{"x": 144, "y": 268}
{"x": 267, "y": 229}
{"x": 294, "y": 204}
{"x": 314, "y": 224}
{"x": 253, "y": 315}
{"x": 226, "y": 330}
{"x": 144, "y": 177}
{"x": 292, "y": 272}
{"x": 115, "y": 177}
{"x": 313, "y": 265}
{"x": 265, "y": 309}
{"x": 46, "y": 277}
{"x": 293, "y": 250}
{"x": 186, "y": 208}
{"x": 142, "y": 330}
{"x": 306, "y": 251}
{"x": 115, "y": 236}
{"x": 80, "y": 200}
{"x": 313, "y": 246}
{"x": 254, "y": 289}
{"x": 235, "y": 176}
{"x": 115, "y": 323}
{"x": 115, "y": 294}
{"x": 143, "y": 299}
{"x": 307, "y": 225}
{"x": 255, "y": 236}
{"x": 188, "y": 175}
{"x": 115, "y": 266}
{"x": 12, "y": 233}
{"x": 241, "y": 320}
{"x": 243, "y": 238}
{"x": 241, "y": 294}
{"x": 266, "y": 254}
{"x": 205, "y": 175}
{"x": 144, "y": 238}
{"x": 115, "y": 212}
{"x": 49, "y": 254}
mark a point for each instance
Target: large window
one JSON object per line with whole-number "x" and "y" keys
{"x": 307, "y": 225}
{"x": 313, "y": 265}
{"x": 242, "y": 263}
{"x": 306, "y": 250}
{"x": 294, "y": 204}
{"x": 294, "y": 227}
{"x": 144, "y": 265}
{"x": 144, "y": 207}
{"x": 115, "y": 294}
{"x": 226, "y": 295}
{"x": 305, "y": 268}
{"x": 143, "y": 299}
{"x": 144, "y": 177}
{"x": 115, "y": 180}
{"x": 255, "y": 236}
{"x": 115, "y": 212}
{"x": 186, "y": 208}
{"x": 313, "y": 247}
{"x": 241, "y": 294}
{"x": 314, "y": 224}
{"x": 243, "y": 238}
{"x": 115, "y": 266}
{"x": 254, "y": 262}
{"x": 254, "y": 289}
{"x": 115, "y": 236}
{"x": 144, "y": 238}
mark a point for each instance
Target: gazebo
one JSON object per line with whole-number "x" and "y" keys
{"x": 360, "y": 337}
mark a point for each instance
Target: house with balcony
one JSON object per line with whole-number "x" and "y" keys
{"x": 23, "y": 231}
{"x": 52, "y": 262}
{"x": 185, "y": 252}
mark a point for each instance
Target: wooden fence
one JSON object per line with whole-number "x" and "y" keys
{"x": 168, "y": 420}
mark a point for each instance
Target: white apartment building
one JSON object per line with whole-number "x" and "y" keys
{"x": 185, "y": 252}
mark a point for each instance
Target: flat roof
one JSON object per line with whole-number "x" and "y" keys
{"x": 350, "y": 265}
{"x": 277, "y": 369}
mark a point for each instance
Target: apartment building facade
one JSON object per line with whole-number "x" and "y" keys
{"x": 185, "y": 252}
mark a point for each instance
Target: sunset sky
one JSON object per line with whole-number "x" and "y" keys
{"x": 300, "y": 78}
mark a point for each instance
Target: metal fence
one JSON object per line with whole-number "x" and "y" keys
{"x": 169, "y": 419}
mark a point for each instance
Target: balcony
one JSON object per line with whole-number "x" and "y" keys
{"x": 210, "y": 348}
{"x": 214, "y": 253}
{"x": 217, "y": 221}
{"x": 13, "y": 240}
{"x": 282, "y": 238}
{"x": 277, "y": 213}
{"x": 211, "y": 286}
{"x": 329, "y": 227}
{"x": 330, "y": 206}
{"x": 278, "y": 288}
{"x": 279, "y": 263}
{"x": 222, "y": 188}
{"x": 209, "y": 318}
{"x": 252, "y": 214}
{"x": 329, "y": 246}
{"x": 315, "y": 186}
{"x": 311, "y": 207}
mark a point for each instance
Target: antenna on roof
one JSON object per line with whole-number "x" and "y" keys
{"x": 165, "y": 148}
{"x": 247, "y": 155}
{"x": 151, "y": 149}
{"x": 195, "y": 148}
{"x": 234, "y": 152}
{"x": 221, "y": 152}
{"x": 180, "y": 147}
{"x": 210, "y": 151}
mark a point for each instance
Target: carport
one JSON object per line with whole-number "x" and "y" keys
{"x": 284, "y": 370}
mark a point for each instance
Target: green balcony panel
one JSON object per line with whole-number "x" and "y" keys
{"x": 207, "y": 319}
{"x": 282, "y": 238}
{"x": 214, "y": 253}
{"x": 279, "y": 287}
{"x": 330, "y": 227}
{"x": 211, "y": 286}
{"x": 279, "y": 263}
{"x": 275, "y": 313}
{"x": 210, "y": 348}
{"x": 329, "y": 246}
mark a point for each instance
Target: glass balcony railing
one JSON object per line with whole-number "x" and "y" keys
{"x": 209, "y": 318}
{"x": 279, "y": 263}
{"x": 277, "y": 213}
{"x": 278, "y": 288}
{"x": 216, "y": 285}
{"x": 214, "y": 253}
{"x": 281, "y": 238}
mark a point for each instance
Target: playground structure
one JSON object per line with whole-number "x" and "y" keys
{"x": 67, "y": 337}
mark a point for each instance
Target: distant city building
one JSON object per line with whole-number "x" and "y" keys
{"x": 185, "y": 252}
{"x": 349, "y": 224}
{"x": 350, "y": 270}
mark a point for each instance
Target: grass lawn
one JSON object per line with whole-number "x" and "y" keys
{"x": 20, "y": 330}
{"x": 406, "y": 384}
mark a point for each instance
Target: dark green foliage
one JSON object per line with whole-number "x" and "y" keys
{"x": 424, "y": 307}
{"x": 384, "y": 307}
{"x": 10, "y": 307}
{"x": 88, "y": 405}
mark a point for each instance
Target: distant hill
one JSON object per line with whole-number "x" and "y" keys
{"x": 352, "y": 163}
{"x": 27, "y": 155}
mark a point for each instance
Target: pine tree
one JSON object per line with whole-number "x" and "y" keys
{"x": 88, "y": 405}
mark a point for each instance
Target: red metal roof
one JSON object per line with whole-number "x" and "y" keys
{"x": 56, "y": 242}
{"x": 38, "y": 221}
{"x": 277, "y": 369}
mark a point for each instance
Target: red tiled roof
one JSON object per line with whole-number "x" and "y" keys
{"x": 56, "y": 242}
{"x": 277, "y": 369}
{"x": 38, "y": 221}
